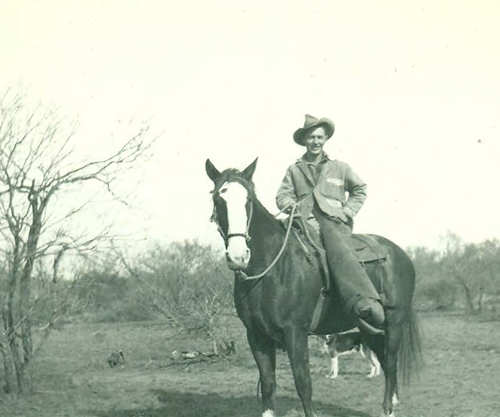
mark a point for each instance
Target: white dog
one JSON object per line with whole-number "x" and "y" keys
{"x": 338, "y": 344}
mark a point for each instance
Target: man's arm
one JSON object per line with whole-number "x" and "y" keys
{"x": 356, "y": 188}
{"x": 286, "y": 197}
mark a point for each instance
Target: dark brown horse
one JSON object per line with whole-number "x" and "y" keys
{"x": 277, "y": 306}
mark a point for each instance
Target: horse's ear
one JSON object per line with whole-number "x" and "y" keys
{"x": 249, "y": 170}
{"x": 212, "y": 172}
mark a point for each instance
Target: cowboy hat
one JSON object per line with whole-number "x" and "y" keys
{"x": 312, "y": 122}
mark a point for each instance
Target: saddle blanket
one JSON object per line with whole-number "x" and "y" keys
{"x": 366, "y": 248}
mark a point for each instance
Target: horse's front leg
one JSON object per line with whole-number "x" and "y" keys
{"x": 298, "y": 353}
{"x": 264, "y": 352}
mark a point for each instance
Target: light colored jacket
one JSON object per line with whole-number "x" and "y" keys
{"x": 334, "y": 180}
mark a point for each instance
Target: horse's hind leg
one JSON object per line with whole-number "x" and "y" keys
{"x": 393, "y": 343}
{"x": 264, "y": 352}
{"x": 386, "y": 348}
{"x": 298, "y": 353}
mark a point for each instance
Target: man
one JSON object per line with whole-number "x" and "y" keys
{"x": 318, "y": 186}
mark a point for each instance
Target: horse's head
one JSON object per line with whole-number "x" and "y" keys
{"x": 232, "y": 195}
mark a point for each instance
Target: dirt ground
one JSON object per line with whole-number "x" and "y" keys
{"x": 460, "y": 378}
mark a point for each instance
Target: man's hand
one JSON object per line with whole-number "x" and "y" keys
{"x": 348, "y": 212}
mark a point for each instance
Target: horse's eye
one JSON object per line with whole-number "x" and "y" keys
{"x": 222, "y": 190}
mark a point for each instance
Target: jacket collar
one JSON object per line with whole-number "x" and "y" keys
{"x": 304, "y": 161}
{"x": 302, "y": 164}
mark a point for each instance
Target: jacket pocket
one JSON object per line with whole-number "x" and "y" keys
{"x": 337, "y": 182}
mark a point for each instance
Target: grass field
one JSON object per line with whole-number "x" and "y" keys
{"x": 461, "y": 376}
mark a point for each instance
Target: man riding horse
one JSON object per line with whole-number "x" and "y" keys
{"x": 317, "y": 185}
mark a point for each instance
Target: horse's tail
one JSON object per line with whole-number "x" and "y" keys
{"x": 410, "y": 353}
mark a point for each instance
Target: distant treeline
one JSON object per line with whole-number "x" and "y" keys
{"x": 189, "y": 284}
{"x": 463, "y": 275}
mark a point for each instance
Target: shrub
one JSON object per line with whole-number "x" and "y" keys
{"x": 437, "y": 295}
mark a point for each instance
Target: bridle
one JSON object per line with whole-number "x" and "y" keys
{"x": 246, "y": 235}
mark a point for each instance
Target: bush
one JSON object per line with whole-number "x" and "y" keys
{"x": 186, "y": 282}
{"x": 122, "y": 311}
{"x": 108, "y": 296}
{"x": 437, "y": 295}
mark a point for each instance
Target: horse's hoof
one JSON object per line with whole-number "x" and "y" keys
{"x": 268, "y": 413}
{"x": 384, "y": 414}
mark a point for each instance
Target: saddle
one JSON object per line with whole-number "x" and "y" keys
{"x": 364, "y": 246}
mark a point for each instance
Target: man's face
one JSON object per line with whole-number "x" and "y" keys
{"x": 314, "y": 140}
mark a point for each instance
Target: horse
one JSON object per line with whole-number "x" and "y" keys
{"x": 276, "y": 290}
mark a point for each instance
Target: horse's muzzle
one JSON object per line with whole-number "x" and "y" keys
{"x": 238, "y": 263}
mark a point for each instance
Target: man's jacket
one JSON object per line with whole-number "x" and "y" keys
{"x": 334, "y": 179}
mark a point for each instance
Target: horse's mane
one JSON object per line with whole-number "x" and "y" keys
{"x": 233, "y": 175}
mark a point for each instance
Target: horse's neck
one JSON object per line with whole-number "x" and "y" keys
{"x": 263, "y": 226}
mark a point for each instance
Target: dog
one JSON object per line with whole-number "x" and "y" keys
{"x": 338, "y": 344}
{"x": 115, "y": 359}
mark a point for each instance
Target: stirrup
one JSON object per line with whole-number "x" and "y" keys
{"x": 367, "y": 327}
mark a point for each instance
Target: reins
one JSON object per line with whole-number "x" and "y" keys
{"x": 283, "y": 246}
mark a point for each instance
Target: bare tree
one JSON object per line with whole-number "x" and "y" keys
{"x": 39, "y": 171}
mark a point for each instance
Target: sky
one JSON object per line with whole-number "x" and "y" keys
{"x": 413, "y": 89}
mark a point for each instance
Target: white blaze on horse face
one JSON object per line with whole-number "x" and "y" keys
{"x": 235, "y": 196}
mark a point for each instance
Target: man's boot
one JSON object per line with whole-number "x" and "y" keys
{"x": 370, "y": 315}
